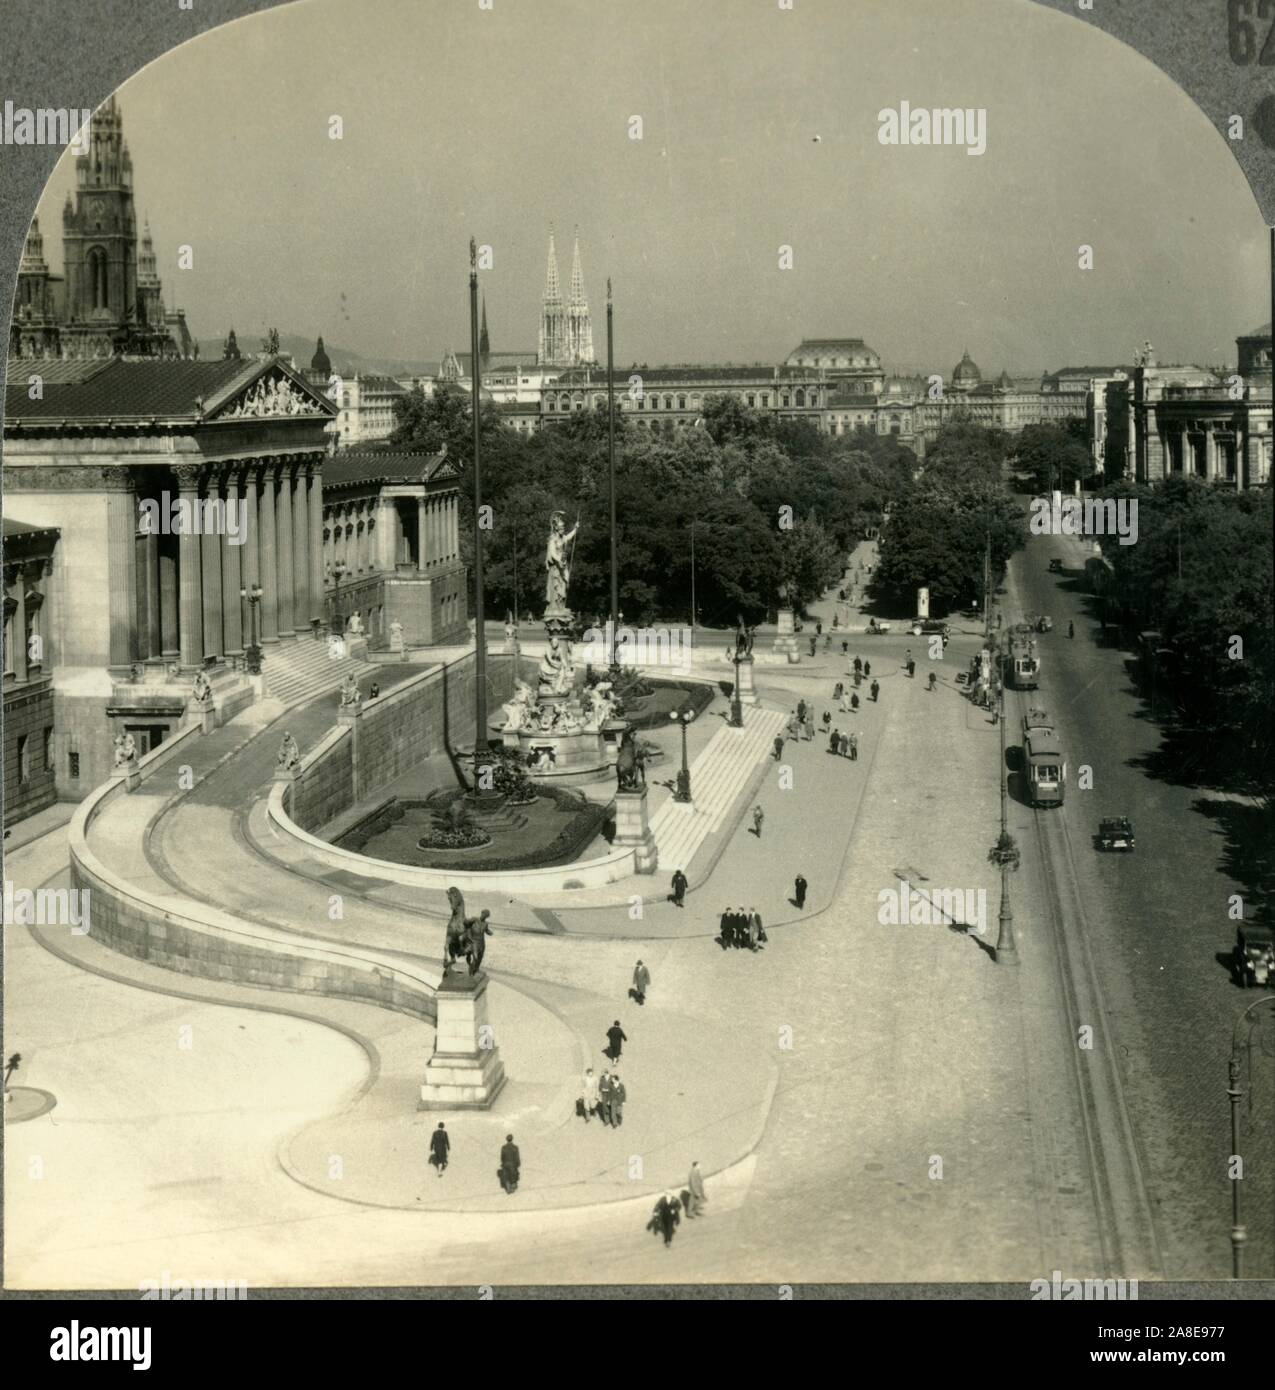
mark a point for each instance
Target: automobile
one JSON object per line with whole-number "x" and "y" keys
{"x": 1254, "y": 960}
{"x": 1055, "y": 565}
{"x": 876, "y": 628}
{"x": 927, "y": 625}
{"x": 1115, "y": 832}
{"x": 1044, "y": 623}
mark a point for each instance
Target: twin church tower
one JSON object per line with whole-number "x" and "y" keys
{"x": 566, "y": 330}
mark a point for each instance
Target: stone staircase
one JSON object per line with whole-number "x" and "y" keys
{"x": 298, "y": 671}
{"x": 718, "y": 775}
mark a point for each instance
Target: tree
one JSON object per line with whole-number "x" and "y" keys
{"x": 1053, "y": 457}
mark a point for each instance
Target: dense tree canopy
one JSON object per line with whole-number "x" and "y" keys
{"x": 760, "y": 504}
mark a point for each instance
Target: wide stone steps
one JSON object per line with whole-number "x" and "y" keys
{"x": 300, "y": 670}
{"x": 718, "y": 774}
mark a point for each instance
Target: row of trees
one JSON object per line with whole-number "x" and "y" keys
{"x": 761, "y": 504}
{"x": 1201, "y": 574}
{"x": 944, "y": 520}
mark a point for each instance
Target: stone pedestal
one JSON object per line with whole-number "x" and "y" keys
{"x": 465, "y": 1072}
{"x": 207, "y": 717}
{"x": 747, "y": 689}
{"x": 633, "y": 829}
{"x": 132, "y": 776}
{"x": 786, "y": 636}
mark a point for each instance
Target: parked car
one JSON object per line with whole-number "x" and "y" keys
{"x": 921, "y": 626}
{"x": 1254, "y": 960}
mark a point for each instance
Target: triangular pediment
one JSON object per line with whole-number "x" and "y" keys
{"x": 267, "y": 390}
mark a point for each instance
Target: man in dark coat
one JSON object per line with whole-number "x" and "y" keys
{"x": 510, "y": 1165}
{"x": 665, "y": 1217}
{"x": 604, "y": 1098}
{"x": 834, "y": 741}
{"x": 858, "y": 665}
{"x": 723, "y": 930}
{"x": 800, "y": 886}
{"x": 439, "y": 1144}
{"x": 876, "y": 691}
{"x": 641, "y": 982}
{"x": 867, "y": 668}
{"x": 616, "y": 1038}
{"x": 779, "y": 746}
{"x": 801, "y": 711}
{"x": 615, "y": 1101}
{"x": 680, "y": 886}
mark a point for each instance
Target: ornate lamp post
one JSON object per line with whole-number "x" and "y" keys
{"x": 339, "y": 569}
{"x": 251, "y": 595}
{"x": 1005, "y": 851}
{"x": 683, "y": 716}
{"x": 736, "y": 707}
{"x": 1241, "y": 1041}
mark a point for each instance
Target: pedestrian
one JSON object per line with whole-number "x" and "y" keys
{"x": 754, "y": 928}
{"x": 374, "y": 690}
{"x": 641, "y": 983}
{"x": 680, "y": 886}
{"x": 845, "y": 648}
{"x": 834, "y": 741}
{"x": 779, "y": 746}
{"x": 854, "y": 704}
{"x": 510, "y": 1165}
{"x": 439, "y": 1144}
{"x": 827, "y": 720}
{"x": 801, "y": 711}
{"x": 814, "y": 641}
{"x": 723, "y": 929}
{"x": 615, "y": 1101}
{"x": 911, "y": 668}
{"x": 1071, "y": 629}
{"x": 838, "y": 690}
{"x": 867, "y": 668}
{"x": 758, "y": 817}
{"x": 841, "y": 594}
{"x": 836, "y": 621}
{"x": 588, "y": 1102}
{"x": 665, "y": 1218}
{"x": 858, "y": 666}
{"x": 794, "y": 727}
{"x": 819, "y": 628}
{"x": 800, "y": 886}
{"x": 933, "y": 680}
{"x": 876, "y": 691}
{"x": 845, "y": 745}
{"x": 808, "y": 726}
{"x": 695, "y": 1194}
{"x": 616, "y": 1039}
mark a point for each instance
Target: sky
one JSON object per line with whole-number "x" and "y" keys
{"x": 500, "y": 123}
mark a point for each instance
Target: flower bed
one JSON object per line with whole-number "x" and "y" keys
{"x": 652, "y": 712}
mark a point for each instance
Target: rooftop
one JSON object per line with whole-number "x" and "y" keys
{"x": 383, "y": 466}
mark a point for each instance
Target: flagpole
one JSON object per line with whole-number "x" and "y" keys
{"x": 615, "y": 581}
{"x": 480, "y": 629}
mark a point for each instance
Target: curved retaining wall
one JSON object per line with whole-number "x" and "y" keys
{"x": 594, "y": 873}
{"x": 196, "y": 939}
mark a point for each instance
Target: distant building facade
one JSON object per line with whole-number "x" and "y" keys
{"x": 566, "y": 328}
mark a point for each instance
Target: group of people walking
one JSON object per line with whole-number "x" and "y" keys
{"x": 666, "y": 1215}
{"x": 603, "y": 1096}
{"x": 508, "y": 1173}
{"x": 741, "y": 929}
{"x": 844, "y": 745}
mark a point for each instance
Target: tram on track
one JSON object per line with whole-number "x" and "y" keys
{"x": 1044, "y": 763}
{"x": 1024, "y": 663}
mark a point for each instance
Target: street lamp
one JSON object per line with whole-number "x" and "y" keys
{"x": 1241, "y": 1040}
{"x": 338, "y": 570}
{"x": 1004, "y": 852}
{"x": 251, "y": 595}
{"x": 683, "y": 716}
{"x": 736, "y": 707}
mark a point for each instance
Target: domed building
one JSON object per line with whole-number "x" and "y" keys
{"x": 966, "y": 375}
{"x": 321, "y": 363}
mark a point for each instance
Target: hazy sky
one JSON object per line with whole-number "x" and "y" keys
{"x": 500, "y": 122}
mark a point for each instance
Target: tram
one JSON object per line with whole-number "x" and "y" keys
{"x": 1043, "y": 760}
{"x": 1024, "y": 664}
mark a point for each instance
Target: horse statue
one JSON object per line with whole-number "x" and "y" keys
{"x": 466, "y": 936}
{"x": 630, "y": 765}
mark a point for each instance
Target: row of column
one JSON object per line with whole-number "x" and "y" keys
{"x": 436, "y": 527}
{"x": 366, "y": 534}
{"x": 181, "y": 591}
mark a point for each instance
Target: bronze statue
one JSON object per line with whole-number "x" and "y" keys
{"x": 630, "y": 765}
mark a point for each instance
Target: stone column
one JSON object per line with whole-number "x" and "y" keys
{"x": 301, "y": 613}
{"x": 121, "y": 574}
{"x": 210, "y": 549}
{"x": 315, "y": 504}
{"x": 251, "y": 562}
{"x": 231, "y": 603}
{"x": 283, "y": 549}
{"x": 189, "y": 573}
{"x": 15, "y": 578}
{"x": 150, "y": 554}
{"x": 170, "y": 628}
{"x": 454, "y": 511}
{"x": 387, "y": 554}
{"x": 266, "y": 559}
{"x": 422, "y": 533}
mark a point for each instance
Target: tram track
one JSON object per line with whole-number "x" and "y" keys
{"x": 1125, "y": 1215}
